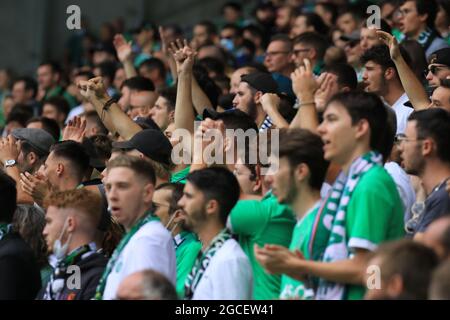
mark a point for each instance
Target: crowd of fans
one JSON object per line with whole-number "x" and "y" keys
{"x": 95, "y": 204}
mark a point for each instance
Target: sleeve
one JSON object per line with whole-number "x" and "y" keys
{"x": 247, "y": 217}
{"x": 369, "y": 215}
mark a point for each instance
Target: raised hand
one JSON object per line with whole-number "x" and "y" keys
{"x": 270, "y": 101}
{"x": 327, "y": 89}
{"x": 35, "y": 186}
{"x": 183, "y": 54}
{"x": 391, "y": 42}
{"x": 8, "y": 149}
{"x": 123, "y": 47}
{"x": 75, "y": 130}
{"x": 93, "y": 88}
{"x": 303, "y": 83}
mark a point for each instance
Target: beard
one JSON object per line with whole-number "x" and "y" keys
{"x": 252, "y": 110}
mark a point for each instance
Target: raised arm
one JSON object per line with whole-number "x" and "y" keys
{"x": 304, "y": 86}
{"x": 168, "y": 55}
{"x": 413, "y": 87}
{"x": 124, "y": 53}
{"x": 184, "y": 109}
{"x": 115, "y": 120}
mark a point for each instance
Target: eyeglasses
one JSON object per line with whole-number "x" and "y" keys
{"x": 156, "y": 206}
{"x": 273, "y": 53}
{"x": 403, "y": 138}
{"x": 296, "y": 52}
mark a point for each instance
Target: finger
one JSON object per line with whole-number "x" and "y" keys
{"x": 307, "y": 65}
{"x": 83, "y": 125}
{"x": 180, "y": 44}
{"x": 186, "y": 43}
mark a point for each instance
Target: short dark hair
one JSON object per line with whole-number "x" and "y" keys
{"x": 170, "y": 94}
{"x": 346, "y": 75}
{"x": 75, "y": 153}
{"x": 141, "y": 167}
{"x": 314, "y": 20}
{"x": 237, "y": 120}
{"x": 93, "y": 116}
{"x": 380, "y": 55}
{"x": 283, "y": 38}
{"x": 55, "y": 66}
{"x": 8, "y": 197}
{"x": 237, "y": 30}
{"x": 177, "y": 193}
{"x": 233, "y": 5}
{"x": 30, "y": 84}
{"x": 60, "y": 104}
{"x": 331, "y": 8}
{"x": 429, "y": 7}
{"x": 208, "y": 85}
{"x": 156, "y": 286}
{"x": 303, "y": 146}
{"x": 49, "y": 125}
{"x": 139, "y": 84}
{"x": 217, "y": 183}
{"x": 364, "y": 105}
{"x": 316, "y": 41}
{"x": 20, "y": 113}
{"x": 107, "y": 69}
{"x": 211, "y": 28}
{"x": 86, "y": 74}
{"x": 413, "y": 261}
{"x": 154, "y": 63}
{"x": 434, "y": 123}
{"x": 213, "y": 64}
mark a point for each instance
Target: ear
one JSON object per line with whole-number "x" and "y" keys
{"x": 395, "y": 286}
{"x": 227, "y": 145}
{"x": 212, "y": 207}
{"x": 149, "y": 188}
{"x": 427, "y": 147}
{"x": 362, "y": 128}
{"x": 301, "y": 172}
{"x": 259, "y": 181}
{"x": 423, "y": 17}
{"x": 312, "y": 54}
{"x": 71, "y": 224}
{"x": 389, "y": 74}
{"x": 257, "y": 97}
{"x": 178, "y": 216}
{"x": 31, "y": 158}
{"x": 60, "y": 169}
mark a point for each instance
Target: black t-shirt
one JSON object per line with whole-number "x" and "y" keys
{"x": 436, "y": 206}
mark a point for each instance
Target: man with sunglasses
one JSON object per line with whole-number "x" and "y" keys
{"x": 425, "y": 150}
{"x": 311, "y": 46}
{"x": 439, "y": 67}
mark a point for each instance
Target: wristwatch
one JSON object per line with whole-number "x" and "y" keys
{"x": 10, "y": 163}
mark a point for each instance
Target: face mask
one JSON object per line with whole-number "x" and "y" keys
{"x": 170, "y": 221}
{"x": 227, "y": 44}
{"x": 60, "y": 250}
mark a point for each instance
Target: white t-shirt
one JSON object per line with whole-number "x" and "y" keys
{"x": 402, "y": 112}
{"x": 228, "y": 275}
{"x": 150, "y": 248}
{"x": 404, "y": 186}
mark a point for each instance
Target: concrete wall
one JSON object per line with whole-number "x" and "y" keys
{"x": 33, "y": 30}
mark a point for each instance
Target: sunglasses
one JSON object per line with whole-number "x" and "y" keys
{"x": 434, "y": 69}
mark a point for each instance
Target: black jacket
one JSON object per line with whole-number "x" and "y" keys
{"x": 91, "y": 269}
{"x": 20, "y": 278}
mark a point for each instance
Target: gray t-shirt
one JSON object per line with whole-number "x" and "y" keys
{"x": 436, "y": 206}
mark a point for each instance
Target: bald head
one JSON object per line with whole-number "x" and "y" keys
{"x": 146, "y": 285}
{"x": 437, "y": 237}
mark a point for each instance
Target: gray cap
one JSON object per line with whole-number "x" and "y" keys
{"x": 37, "y": 138}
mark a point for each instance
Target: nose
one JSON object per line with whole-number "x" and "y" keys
{"x": 429, "y": 76}
{"x": 321, "y": 129}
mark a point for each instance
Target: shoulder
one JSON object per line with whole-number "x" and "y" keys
{"x": 231, "y": 250}
{"x": 377, "y": 176}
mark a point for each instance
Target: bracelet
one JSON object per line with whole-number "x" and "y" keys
{"x": 107, "y": 105}
{"x": 306, "y": 103}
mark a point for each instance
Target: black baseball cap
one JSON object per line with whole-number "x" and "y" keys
{"x": 441, "y": 56}
{"x": 152, "y": 143}
{"x": 261, "y": 81}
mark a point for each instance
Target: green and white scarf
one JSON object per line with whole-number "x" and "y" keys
{"x": 116, "y": 254}
{"x": 5, "y": 229}
{"x": 202, "y": 262}
{"x": 336, "y": 206}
